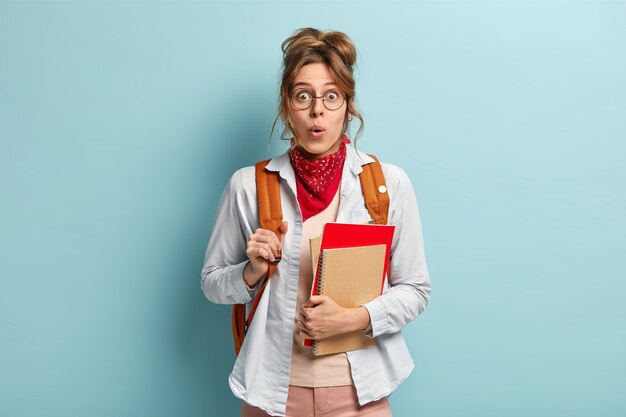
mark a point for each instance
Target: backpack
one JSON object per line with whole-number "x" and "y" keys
{"x": 271, "y": 217}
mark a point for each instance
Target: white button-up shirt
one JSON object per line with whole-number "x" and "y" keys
{"x": 261, "y": 372}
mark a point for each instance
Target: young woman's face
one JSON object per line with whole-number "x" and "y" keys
{"x": 317, "y": 130}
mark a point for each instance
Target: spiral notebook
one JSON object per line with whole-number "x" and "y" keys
{"x": 351, "y": 277}
{"x": 348, "y": 235}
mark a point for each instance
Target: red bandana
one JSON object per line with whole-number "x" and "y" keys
{"x": 317, "y": 182}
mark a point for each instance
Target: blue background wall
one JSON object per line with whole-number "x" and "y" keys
{"x": 121, "y": 122}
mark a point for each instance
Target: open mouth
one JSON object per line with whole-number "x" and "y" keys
{"x": 316, "y": 130}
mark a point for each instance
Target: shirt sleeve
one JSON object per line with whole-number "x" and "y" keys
{"x": 225, "y": 258}
{"x": 409, "y": 285}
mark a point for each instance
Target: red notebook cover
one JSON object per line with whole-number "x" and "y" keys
{"x": 348, "y": 235}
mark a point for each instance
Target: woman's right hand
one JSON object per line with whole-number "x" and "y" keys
{"x": 263, "y": 246}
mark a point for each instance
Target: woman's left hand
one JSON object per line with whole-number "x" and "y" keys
{"x": 321, "y": 317}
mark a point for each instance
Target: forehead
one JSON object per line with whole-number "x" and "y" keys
{"x": 315, "y": 75}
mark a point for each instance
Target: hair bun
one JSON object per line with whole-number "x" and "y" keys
{"x": 342, "y": 43}
{"x": 313, "y": 39}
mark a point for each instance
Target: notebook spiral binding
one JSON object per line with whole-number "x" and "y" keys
{"x": 319, "y": 289}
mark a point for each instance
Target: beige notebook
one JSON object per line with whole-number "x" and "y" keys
{"x": 314, "y": 244}
{"x": 351, "y": 277}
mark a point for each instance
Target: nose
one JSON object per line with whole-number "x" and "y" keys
{"x": 317, "y": 107}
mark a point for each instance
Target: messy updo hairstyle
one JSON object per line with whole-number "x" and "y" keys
{"x": 312, "y": 46}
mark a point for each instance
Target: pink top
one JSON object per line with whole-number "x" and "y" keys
{"x": 308, "y": 370}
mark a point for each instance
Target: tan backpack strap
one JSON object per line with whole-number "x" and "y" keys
{"x": 238, "y": 325}
{"x": 268, "y": 197}
{"x": 270, "y": 217}
{"x": 375, "y": 191}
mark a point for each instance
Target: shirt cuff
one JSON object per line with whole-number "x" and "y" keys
{"x": 378, "y": 317}
{"x": 238, "y": 282}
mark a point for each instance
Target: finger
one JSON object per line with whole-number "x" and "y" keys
{"x": 301, "y": 325}
{"x": 283, "y": 230}
{"x": 315, "y": 300}
{"x": 260, "y": 253}
{"x": 263, "y": 232}
{"x": 255, "y": 250}
{"x": 276, "y": 241}
{"x": 265, "y": 248}
{"x": 270, "y": 240}
{"x": 303, "y": 316}
{"x": 258, "y": 233}
{"x": 306, "y": 335}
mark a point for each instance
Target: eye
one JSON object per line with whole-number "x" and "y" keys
{"x": 302, "y": 95}
{"x": 332, "y": 95}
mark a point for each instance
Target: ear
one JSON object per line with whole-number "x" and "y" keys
{"x": 349, "y": 115}
{"x": 346, "y": 121}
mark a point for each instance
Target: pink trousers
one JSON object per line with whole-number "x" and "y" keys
{"x": 338, "y": 401}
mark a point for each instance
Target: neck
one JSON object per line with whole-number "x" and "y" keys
{"x": 311, "y": 157}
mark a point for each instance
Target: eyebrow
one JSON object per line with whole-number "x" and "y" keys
{"x": 309, "y": 85}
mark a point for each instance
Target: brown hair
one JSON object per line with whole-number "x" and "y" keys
{"x": 311, "y": 46}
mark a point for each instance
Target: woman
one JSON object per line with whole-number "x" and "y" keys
{"x": 274, "y": 374}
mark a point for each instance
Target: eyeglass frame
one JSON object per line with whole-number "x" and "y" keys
{"x": 313, "y": 98}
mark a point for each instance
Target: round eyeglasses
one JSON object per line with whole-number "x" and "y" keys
{"x": 303, "y": 99}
